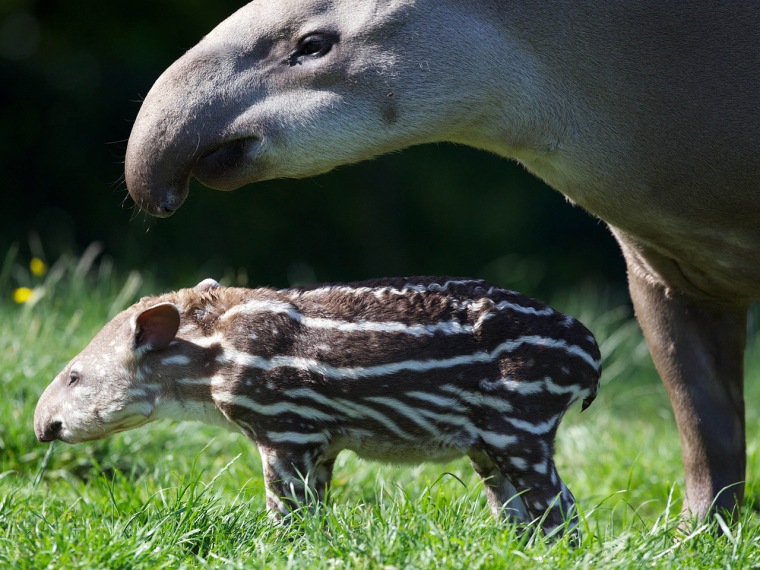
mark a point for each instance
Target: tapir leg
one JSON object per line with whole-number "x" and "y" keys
{"x": 698, "y": 349}
{"x": 503, "y": 498}
{"x": 293, "y": 478}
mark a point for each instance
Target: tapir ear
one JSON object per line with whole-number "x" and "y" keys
{"x": 206, "y": 284}
{"x": 156, "y": 326}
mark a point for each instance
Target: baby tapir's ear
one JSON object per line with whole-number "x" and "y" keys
{"x": 206, "y": 285}
{"x": 156, "y": 326}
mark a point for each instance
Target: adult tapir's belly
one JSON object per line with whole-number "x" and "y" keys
{"x": 697, "y": 222}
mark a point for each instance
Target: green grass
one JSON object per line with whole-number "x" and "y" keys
{"x": 191, "y": 496}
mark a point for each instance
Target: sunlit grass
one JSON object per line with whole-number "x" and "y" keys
{"x": 187, "y": 495}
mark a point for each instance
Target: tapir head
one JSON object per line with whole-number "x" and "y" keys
{"x": 102, "y": 390}
{"x": 293, "y": 88}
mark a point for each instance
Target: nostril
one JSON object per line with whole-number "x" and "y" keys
{"x": 169, "y": 203}
{"x": 52, "y": 431}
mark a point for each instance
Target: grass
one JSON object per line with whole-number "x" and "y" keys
{"x": 191, "y": 496}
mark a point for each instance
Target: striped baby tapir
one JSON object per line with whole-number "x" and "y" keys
{"x": 397, "y": 370}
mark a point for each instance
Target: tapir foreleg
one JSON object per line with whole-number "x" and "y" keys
{"x": 698, "y": 349}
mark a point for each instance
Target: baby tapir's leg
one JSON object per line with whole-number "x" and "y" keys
{"x": 502, "y": 496}
{"x": 522, "y": 483}
{"x": 294, "y": 476}
{"x": 545, "y": 496}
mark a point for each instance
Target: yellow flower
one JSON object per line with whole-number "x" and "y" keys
{"x": 22, "y": 294}
{"x": 37, "y": 267}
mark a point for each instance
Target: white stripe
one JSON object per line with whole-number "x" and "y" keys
{"x": 477, "y": 399}
{"x": 381, "y": 290}
{"x": 483, "y": 318}
{"x": 253, "y": 306}
{"x": 258, "y": 306}
{"x": 350, "y": 409}
{"x": 176, "y": 360}
{"x": 272, "y": 409}
{"x": 452, "y": 419}
{"x": 545, "y": 312}
{"x": 195, "y": 381}
{"x": 519, "y": 386}
{"x": 371, "y": 413}
{"x": 555, "y": 388}
{"x": 322, "y": 399}
{"x": 246, "y": 428}
{"x": 472, "y": 304}
{"x": 446, "y": 327}
{"x": 528, "y": 388}
{"x": 538, "y": 429}
{"x": 501, "y": 440}
{"x": 208, "y": 341}
{"x": 408, "y": 411}
{"x": 296, "y": 437}
{"x": 337, "y": 373}
{"x": 518, "y": 462}
{"x": 277, "y": 502}
{"x": 442, "y": 401}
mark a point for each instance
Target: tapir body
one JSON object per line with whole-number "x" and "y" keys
{"x": 645, "y": 113}
{"x": 402, "y": 370}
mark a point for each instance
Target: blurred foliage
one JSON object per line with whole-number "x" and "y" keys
{"x": 71, "y": 78}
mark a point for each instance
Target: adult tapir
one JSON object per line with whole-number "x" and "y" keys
{"x": 645, "y": 113}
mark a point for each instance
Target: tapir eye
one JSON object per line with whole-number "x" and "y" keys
{"x": 313, "y": 45}
{"x": 73, "y": 378}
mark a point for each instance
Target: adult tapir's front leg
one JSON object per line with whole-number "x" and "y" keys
{"x": 698, "y": 349}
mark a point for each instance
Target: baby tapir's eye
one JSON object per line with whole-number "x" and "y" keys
{"x": 73, "y": 378}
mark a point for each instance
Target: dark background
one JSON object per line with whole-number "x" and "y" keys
{"x": 72, "y": 74}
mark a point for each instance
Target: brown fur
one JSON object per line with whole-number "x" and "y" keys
{"x": 401, "y": 370}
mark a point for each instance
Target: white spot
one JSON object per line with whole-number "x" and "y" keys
{"x": 500, "y": 440}
{"x": 483, "y": 318}
{"x": 176, "y": 360}
{"x": 519, "y": 463}
{"x": 524, "y": 388}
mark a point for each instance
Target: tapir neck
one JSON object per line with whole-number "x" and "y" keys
{"x": 189, "y": 370}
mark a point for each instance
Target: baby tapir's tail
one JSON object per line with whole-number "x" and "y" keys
{"x": 588, "y": 400}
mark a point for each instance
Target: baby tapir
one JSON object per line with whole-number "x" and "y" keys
{"x": 398, "y": 370}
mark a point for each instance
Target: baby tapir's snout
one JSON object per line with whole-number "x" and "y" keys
{"x": 47, "y": 422}
{"x": 398, "y": 370}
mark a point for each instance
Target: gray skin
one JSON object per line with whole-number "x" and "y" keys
{"x": 646, "y": 114}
